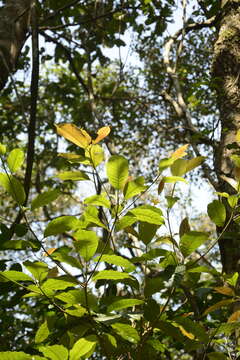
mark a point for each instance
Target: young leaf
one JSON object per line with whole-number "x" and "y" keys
{"x": 225, "y": 290}
{"x": 117, "y": 171}
{"x": 3, "y": 149}
{"x": 111, "y": 275}
{"x": 180, "y": 152}
{"x": 13, "y": 186}
{"x": 127, "y": 332}
{"x": 83, "y": 346}
{"x": 149, "y": 214}
{"x": 134, "y": 187}
{"x": 73, "y": 175}
{"x": 15, "y": 159}
{"x": 190, "y": 241}
{"x": 42, "y": 333}
{"x": 86, "y": 243}
{"x": 95, "y": 154}
{"x": 60, "y": 225}
{"x": 217, "y": 212}
{"x": 54, "y": 352}
{"x": 102, "y": 133}
{"x": 218, "y": 305}
{"x": 72, "y": 133}
{"x": 45, "y": 198}
{"x": 99, "y": 200}
{"x": 174, "y": 179}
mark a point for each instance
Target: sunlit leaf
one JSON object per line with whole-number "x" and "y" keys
{"x": 72, "y": 133}
{"x": 15, "y": 276}
{"x": 179, "y": 153}
{"x": 15, "y": 159}
{"x": 134, "y": 187}
{"x": 116, "y": 260}
{"x": 111, "y": 275}
{"x": 83, "y": 346}
{"x": 86, "y": 243}
{"x": 13, "y": 186}
{"x": 99, "y": 200}
{"x": 149, "y": 214}
{"x": 42, "y": 333}
{"x": 95, "y": 154}
{"x": 123, "y": 304}
{"x": 102, "y": 133}
{"x": 73, "y": 175}
{"x": 60, "y": 225}
{"x": 54, "y": 352}
{"x": 117, "y": 171}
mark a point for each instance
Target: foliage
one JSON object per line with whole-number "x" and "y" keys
{"x": 95, "y": 297}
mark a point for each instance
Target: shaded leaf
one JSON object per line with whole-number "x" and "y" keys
{"x": 217, "y": 212}
{"x": 83, "y": 346}
{"x": 13, "y": 186}
{"x": 45, "y": 198}
{"x": 73, "y": 175}
{"x": 54, "y": 352}
{"x": 99, "y": 200}
{"x": 134, "y": 187}
{"x": 42, "y": 333}
{"x": 60, "y": 225}
{"x": 86, "y": 243}
{"x": 127, "y": 332}
{"x": 123, "y": 304}
{"x": 116, "y": 260}
{"x": 190, "y": 241}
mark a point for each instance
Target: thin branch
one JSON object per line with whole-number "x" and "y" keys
{"x": 70, "y": 59}
{"x": 58, "y": 11}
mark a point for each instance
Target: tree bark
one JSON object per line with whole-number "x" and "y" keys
{"x": 14, "y": 24}
{"x": 226, "y": 79}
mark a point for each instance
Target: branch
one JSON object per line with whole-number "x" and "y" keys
{"x": 70, "y": 59}
{"x": 51, "y": 16}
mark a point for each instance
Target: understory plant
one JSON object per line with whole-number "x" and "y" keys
{"x": 124, "y": 278}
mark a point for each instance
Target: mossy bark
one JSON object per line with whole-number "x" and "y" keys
{"x": 226, "y": 79}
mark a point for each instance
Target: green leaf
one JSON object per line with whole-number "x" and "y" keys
{"x": 233, "y": 279}
{"x": 15, "y": 159}
{"x": 181, "y": 166}
{"x": 153, "y": 286}
{"x": 99, "y": 200}
{"x": 127, "y": 332}
{"x": 45, "y": 198}
{"x": 91, "y": 214}
{"x": 12, "y": 275}
{"x": 171, "y": 200}
{"x": 149, "y": 214}
{"x": 61, "y": 255}
{"x": 174, "y": 179}
{"x": 190, "y": 241}
{"x": 217, "y": 356}
{"x": 111, "y": 275}
{"x": 3, "y": 149}
{"x": 117, "y": 171}
{"x": 51, "y": 285}
{"x": 147, "y": 231}
{"x": 78, "y": 296}
{"x": 61, "y": 225}
{"x": 165, "y": 163}
{"x": 86, "y": 243}
{"x": 168, "y": 329}
{"x": 134, "y": 187}
{"x": 83, "y": 346}
{"x": 232, "y": 200}
{"x": 217, "y": 212}
{"x": 13, "y": 186}
{"x": 42, "y": 333}
{"x": 18, "y": 355}
{"x": 95, "y": 154}
{"x": 184, "y": 227}
{"x": 125, "y": 222}
{"x": 123, "y": 304}
{"x": 54, "y": 352}
{"x": 193, "y": 327}
{"x": 73, "y": 175}
{"x": 116, "y": 260}
{"x": 38, "y": 269}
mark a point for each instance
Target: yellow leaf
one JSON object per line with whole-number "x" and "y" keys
{"x": 49, "y": 251}
{"x": 185, "y": 333}
{"x": 225, "y": 290}
{"x": 238, "y": 136}
{"x": 102, "y": 133}
{"x": 218, "y": 305}
{"x": 179, "y": 153}
{"x": 72, "y": 133}
{"x": 234, "y": 317}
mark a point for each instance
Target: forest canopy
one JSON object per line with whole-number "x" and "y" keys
{"x": 112, "y": 112}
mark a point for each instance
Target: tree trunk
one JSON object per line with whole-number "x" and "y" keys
{"x": 226, "y": 78}
{"x": 14, "y": 24}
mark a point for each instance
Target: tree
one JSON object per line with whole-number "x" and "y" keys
{"x": 186, "y": 89}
